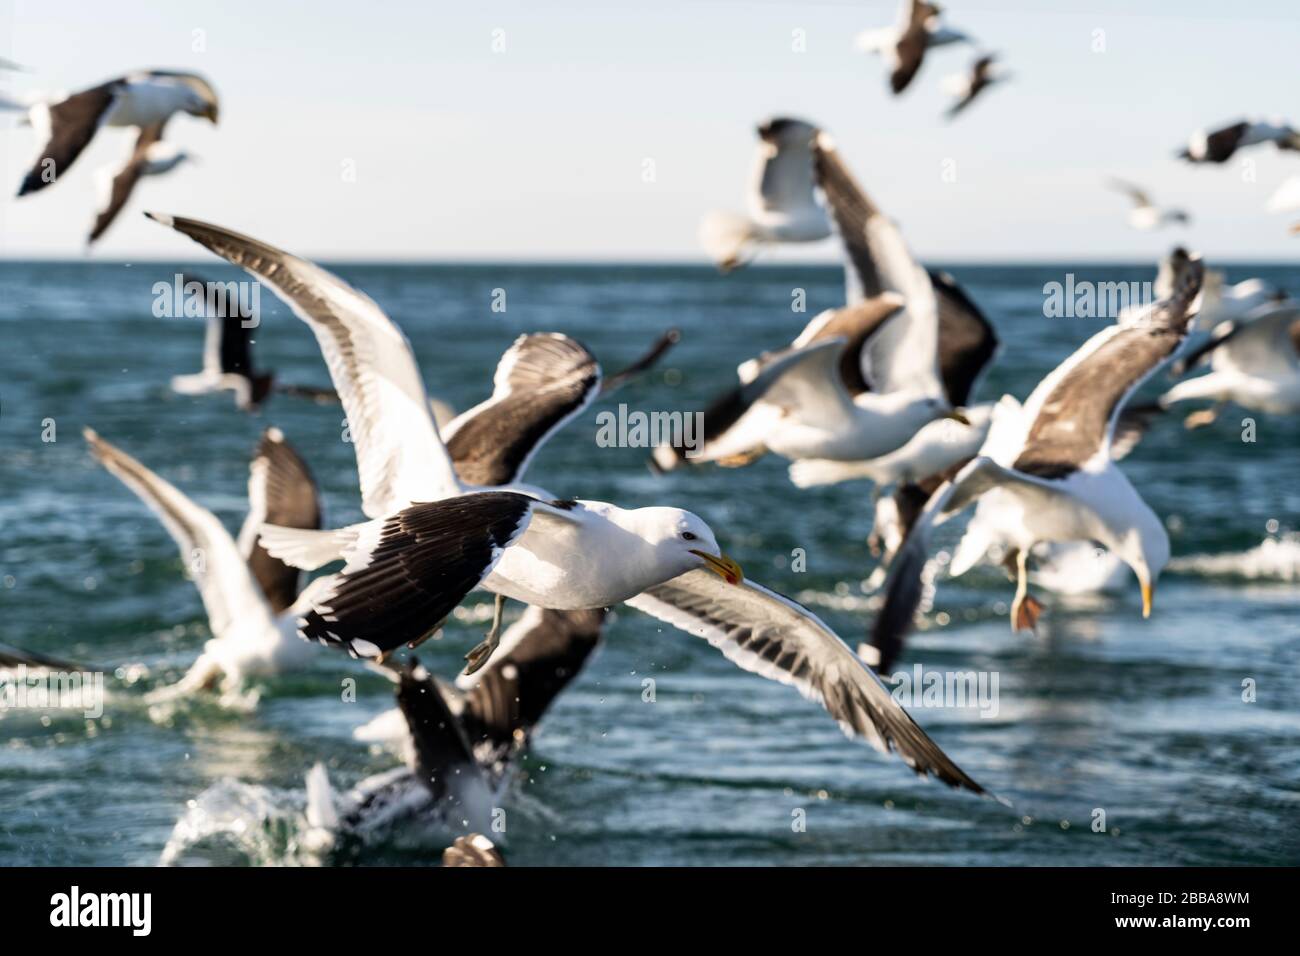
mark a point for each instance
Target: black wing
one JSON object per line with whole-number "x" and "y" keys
{"x": 73, "y": 123}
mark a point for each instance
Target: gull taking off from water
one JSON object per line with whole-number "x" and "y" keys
{"x": 432, "y": 539}
{"x": 459, "y": 746}
{"x": 782, "y": 207}
{"x": 1046, "y": 472}
{"x": 248, "y": 595}
{"x": 1145, "y": 215}
{"x": 145, "y": 100}
{"x": 903, "y": 45}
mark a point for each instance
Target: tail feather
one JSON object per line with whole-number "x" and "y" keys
{"x": 811, "y": 472}
{"x": 728, "y": 238}
{"x": 304, "y": 548}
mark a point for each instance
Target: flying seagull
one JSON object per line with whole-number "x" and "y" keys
{"x": 903, "y": 45}
{"x": 968, "y": 344}
{"x": 966, "y": 86}
{"x": 432, "y": 538}
{"x": 1254, "y": 363}
{"x": 1144, "y": 214}
{"x": 1219, "y": 145}
{"x": 782, "y": 207}
{"x": 248, "y": 595}
{"x": 144, "y": 100}
{"x": 152, "y": 156}
{"x": 1046, "y": 472}
{"x": 858, "y": 382}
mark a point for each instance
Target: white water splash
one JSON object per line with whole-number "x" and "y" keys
{"x": 1273, "y": 559}
{"x": 265, "y": 826}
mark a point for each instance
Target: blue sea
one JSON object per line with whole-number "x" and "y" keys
{"x": 1170, "y": 741}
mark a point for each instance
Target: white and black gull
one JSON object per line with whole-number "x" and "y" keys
{"x": 248, "y": 595}
{"x": 1047, "y": 472}
{"x": 858, "y": 382}
{"x": 1221, "y": 144}
{"x": 782, "y": 204}
{"x": 146, "y": 99}
{"x": 965, "y": 87}
{"x": 903, "y": 44}
{"x": 432, "y": 539}
{"x": 1145, "y": 214}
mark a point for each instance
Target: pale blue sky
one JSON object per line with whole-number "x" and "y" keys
{"x": 537, "y": 152}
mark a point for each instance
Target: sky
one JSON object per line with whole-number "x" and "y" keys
{"x": 448, "y": 131}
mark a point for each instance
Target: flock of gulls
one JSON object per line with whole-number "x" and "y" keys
{"x": 883, "y": 389}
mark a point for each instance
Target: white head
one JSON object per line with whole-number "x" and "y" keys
{"x": 198, "y": 97}
{"x": 921, "y": 408}
{"x": 681, "y": 540}
{"x": 1144, "y": 547}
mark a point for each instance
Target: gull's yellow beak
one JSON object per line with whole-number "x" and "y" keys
{"x": 1148, "y": 596}
{"x": 722, "y": 566}
{"x": 957, "y": 415}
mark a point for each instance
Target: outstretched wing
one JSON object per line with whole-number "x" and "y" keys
{"x": 400, "y": 455}
{"x": 770, "y": 635}
{"x": 281, "y": 491}
{"x": 68, "y": 127}
{"x": 967, "y": 340}
{"x": 207, "y": 550}
{"x": 542, "y": 381}
{"x": 123, "y": 183}
{"x": 1073, "y": 411}
{"x": 540, "y": 654}
{"x": 904, "y": 355}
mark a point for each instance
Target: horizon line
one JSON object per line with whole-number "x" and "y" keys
{"x": 650, "y": 262}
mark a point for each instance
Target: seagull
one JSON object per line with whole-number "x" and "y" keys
{"x": 966, "y": 86}
{"x": 152, "y": 156}
{"x": 432, "y": 539}
{"x": 1047, "y": 474}
{"x": 1254, "y": 363}
{"x": 782, "y": 207}
{"x": 1144, "y": 214}
{"x": 248, "y": 595}
{"x": 1058, "y": 565}
{"x": 460, "y": 746}
{"x": 145, "y": 99}
{"x": 858, "y": 382}
{"x": 903, "y": 45}
{"x": 1218, "y": 146}
{"x": 228, "y": 359}
{"x": 968, "y": 344}
{"x": 1221, "y": 302}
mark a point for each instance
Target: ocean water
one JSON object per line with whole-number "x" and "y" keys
{"x": 1102, "y": 712}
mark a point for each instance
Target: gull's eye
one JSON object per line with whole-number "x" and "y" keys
{"x": 688, "y": 535}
